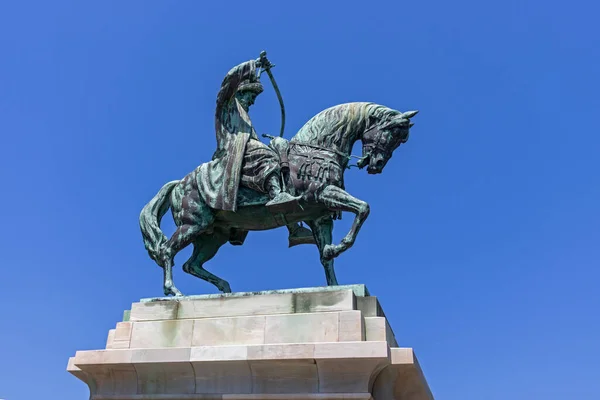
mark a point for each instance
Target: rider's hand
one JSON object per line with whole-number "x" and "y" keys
{"x": 263, "y": 61}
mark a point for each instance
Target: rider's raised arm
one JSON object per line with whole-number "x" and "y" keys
{"x": 233, "y": 79}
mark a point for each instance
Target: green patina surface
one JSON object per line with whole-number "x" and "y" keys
{"x": 249, "y": 185}
{"x": 359, "y": 290}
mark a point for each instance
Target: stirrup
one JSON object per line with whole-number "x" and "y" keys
{"x": 300, "y": 236}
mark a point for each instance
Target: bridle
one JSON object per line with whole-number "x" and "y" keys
{"x": 367, "y": 148}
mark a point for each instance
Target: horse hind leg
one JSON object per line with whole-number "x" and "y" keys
{"x": 323, "y": 233}
{"x": 205, "y": 248}
{"x": 183, "y": 236}
{"x": 192, "y": 218}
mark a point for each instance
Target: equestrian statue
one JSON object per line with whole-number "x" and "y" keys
{"x": 251, "y": 186}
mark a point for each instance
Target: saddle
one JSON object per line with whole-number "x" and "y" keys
{"x": 305, "y": 169}
{"x": 250, "y": 197}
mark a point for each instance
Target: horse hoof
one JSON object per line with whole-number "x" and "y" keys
{"x": 226, "y": 288}
{"x": 173, "y": 292}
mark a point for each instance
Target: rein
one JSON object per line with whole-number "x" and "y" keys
{"x": 346, "y": 157}
{"x": 377, "y": 146}
{"x": 339, "y": 153}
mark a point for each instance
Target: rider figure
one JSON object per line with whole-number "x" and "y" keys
{"x": 241, "y": 158}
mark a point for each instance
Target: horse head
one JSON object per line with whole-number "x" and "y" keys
{"x": 382, "y": 137}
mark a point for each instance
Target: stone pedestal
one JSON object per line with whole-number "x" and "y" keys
{"x": 317, "y": 343}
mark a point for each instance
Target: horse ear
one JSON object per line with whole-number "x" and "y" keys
{"x": 409, "y": 114}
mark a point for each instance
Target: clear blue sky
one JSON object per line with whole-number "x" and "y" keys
{"x": 483, "y": 244}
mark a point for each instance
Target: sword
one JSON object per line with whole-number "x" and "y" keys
{"x": 266, "y": 65}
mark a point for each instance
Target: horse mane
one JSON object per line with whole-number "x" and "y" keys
{"x": 339, "y": 126}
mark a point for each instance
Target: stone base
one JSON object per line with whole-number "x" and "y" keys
{"x": 316, "y": 343}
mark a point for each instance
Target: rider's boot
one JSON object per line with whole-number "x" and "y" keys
{"x": 281, "y": 202}
{"x": 284, "y": 202}
{"x": 300, "y": 235}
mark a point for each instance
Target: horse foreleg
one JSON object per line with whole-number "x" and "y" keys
{"x": 337, "y": 199}
{"x": 323, "y": 232}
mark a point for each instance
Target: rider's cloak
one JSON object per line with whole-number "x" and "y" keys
{"x": 218, "y": 180}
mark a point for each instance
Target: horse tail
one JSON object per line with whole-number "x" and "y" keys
{"x": 150, "y": 218}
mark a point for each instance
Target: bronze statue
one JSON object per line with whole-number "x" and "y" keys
{"x": 251, "y": 186}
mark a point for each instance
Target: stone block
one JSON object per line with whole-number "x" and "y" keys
{"x": 235, "y": 306}
{"x": 229, "y": 331}
{"x": 110, "y": 380}
{"x": 348, "y": 375}
{"x": 358, "y": 290}
{"x": 329, "y": 301}
{"x": 154, "y": 311}
{"x": 375, "y": 329}
{"x": 402, "y": 356}
{"x": 298, "y": 376}
{"x": 378, "y": 329}
{"x": 286, "y": 351}
{"x": 222, "y": 377}
{"x": 123, "y": 331}
{"x": 265, "y": 304}
{"x": 350, "y": 326}
{"x": 351, "y": 350}
{"x": 402, "y": 379}
{"x": 369, "y": 306}
{"x": 76, "y": 371}
{"x": 219, "y": 353}
{"x": 110, "y": 339}
{"x": 121, "y": 336}
{"x": 156, "y": 334}
{"x": 169, "y": 355}
{"x": 120, "y": 344}
{"x": 165, "y": 378}
{"x": 302, "y": 328}
{"x": 102, "y": 357}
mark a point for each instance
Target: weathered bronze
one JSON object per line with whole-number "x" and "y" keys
{"x": 250, "y": 186}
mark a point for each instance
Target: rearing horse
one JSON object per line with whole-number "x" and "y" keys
{"x": 313, "y": 164}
